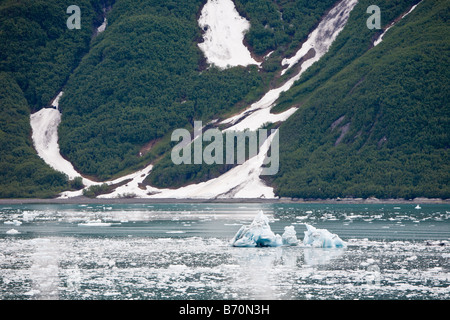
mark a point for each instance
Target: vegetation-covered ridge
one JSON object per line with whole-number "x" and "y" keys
{"x": 361, "y": 101}
{"x": 143, "y": 78}
{"x": 372, "y": 121}
{"x": 37, "y": 54}
{"x": 377, "y": 125}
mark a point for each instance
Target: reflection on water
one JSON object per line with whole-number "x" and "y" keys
{"x": 183, "y": 252}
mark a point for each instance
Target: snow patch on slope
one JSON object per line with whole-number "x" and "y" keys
{"x": 224, "y": 34}
{"x": 102, "y": 27}
{"x": 320, "y": 40}
{"x": 380, "y": 38}
{"x": 44, "y": 125}
{"x": 323, "y": 36}
{"x": 242, "y": 181}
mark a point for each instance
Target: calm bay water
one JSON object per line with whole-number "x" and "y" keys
{"x": 182, "y": 251}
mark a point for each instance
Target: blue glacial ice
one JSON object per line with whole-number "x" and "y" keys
{"x": 259, "y": 234}
{"x": 321, "y": 238}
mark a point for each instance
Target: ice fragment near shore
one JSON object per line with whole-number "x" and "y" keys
{"x": 258, "y": 234}
{"x": 322, "y": 238}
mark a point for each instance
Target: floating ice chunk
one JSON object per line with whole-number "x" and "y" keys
{"x": 12, "y": 231}
{"x": 95, "y": 223}
{"x": 258, "y": 234}
{"x": 289, "y": 236}
{"x": 29, "y": 216}
{"x": 14, "y": 222}
{"x": 322, "y": 238}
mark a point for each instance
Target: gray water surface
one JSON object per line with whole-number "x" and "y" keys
{"x": 182, "y": 251}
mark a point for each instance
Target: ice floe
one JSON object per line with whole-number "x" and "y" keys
{"x": 14, "y": 222}
{"x": 12, "y": 232}
{"x": 289, "y": 236}
{"x": 95, "y": 223}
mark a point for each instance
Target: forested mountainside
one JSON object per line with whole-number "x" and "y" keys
{"x": 380, "y": 125}
{"x": 37, "y": 54}
{"x": 371, "y": 120}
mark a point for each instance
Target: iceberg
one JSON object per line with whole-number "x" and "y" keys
{"x": 289, "y": 236}
{"x": 322, "y": 238}
{"x": 258, "y": 234}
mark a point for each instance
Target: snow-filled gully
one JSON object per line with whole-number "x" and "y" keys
{"x": 223, "y": 47}
{"x": 380, "y": 38}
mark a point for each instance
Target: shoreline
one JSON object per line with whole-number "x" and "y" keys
{"x": 85, "y": 200}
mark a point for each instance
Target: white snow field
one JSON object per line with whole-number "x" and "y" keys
{"x": 242, "y": 181}
{"x": 102, "y": 27}
{"x": 224, "y": 34}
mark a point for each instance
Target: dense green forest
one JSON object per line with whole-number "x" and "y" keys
{"x": 143, "y": 77}
{"x": 372, "y": 121}
{"x": 22, "y": 172}
{"x": 379, "y": 95}
{"x": 380, "y": 125}
{"x": 37, "y": 54}
{"x": 146, "y": 76}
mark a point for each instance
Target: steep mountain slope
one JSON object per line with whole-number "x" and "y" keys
{"x": 143, "y": 77}
{"x": 146, "y": 76}
{"x": 372, "y": 121}
{"x": 369, "y": 120}
{"x": 22, "y": 172}
{"x": 258, "y": 114}
{"x": 37, "y": 53}
{"x": 379, "y": 126}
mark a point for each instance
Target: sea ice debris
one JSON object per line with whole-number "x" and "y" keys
{"x": 322, "y": 238}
